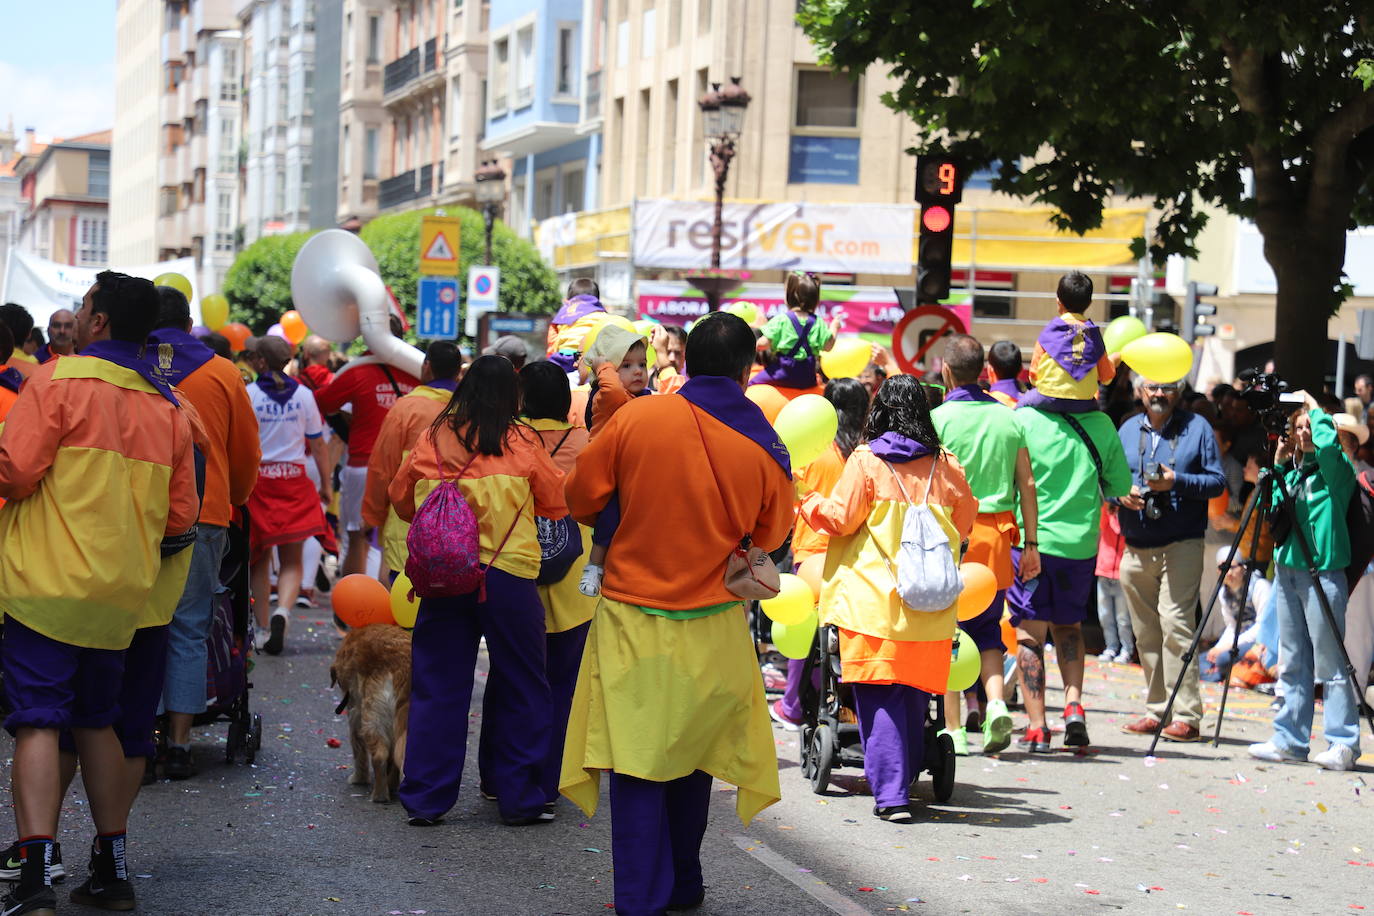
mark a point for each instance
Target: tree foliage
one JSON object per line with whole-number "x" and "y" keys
{"x": 258, "y": 284}
{"x": 1074, "y": 101}
{"x": 527, "y": 283}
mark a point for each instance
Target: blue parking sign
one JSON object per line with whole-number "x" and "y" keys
{"x": 438, "y": 314}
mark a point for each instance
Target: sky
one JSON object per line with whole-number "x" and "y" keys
{"x": 57, "y": 66}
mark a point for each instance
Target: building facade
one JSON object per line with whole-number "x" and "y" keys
{"x": 135, "y": 154}
{"x": 278, "y": 115}
{"x": 65, "y": 189}
{"x": 362, "y": 119}
{"x": 324, "y": 153}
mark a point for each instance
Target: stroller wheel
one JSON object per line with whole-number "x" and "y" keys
{"x": 822, "y": 751}
{"x": 233, "y": 741}
{"x": 807, "y": 764}
{"x": 254, "y": 739}
{"x": 942, "y": 768}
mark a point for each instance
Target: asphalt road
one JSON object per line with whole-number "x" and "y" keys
{"x": 1196, "y": 829}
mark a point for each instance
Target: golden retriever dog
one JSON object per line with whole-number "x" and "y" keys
{"x": 372, "y": 667}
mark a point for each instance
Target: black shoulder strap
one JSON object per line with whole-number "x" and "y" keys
{"x": 560, "y": 442}
{"x": 386, "y": 370}
{"x": 1092, "y": 450}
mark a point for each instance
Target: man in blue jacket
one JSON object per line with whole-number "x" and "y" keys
{"x": 1176, "y": 468}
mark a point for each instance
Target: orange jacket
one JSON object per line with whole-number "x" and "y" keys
{"x": 609, "y": 397}
{"x": 98, "y": 468}
{"x": 233, "y": 450}
{"x": 412, "y": 415}
{"x": 678, "y": 521}
{"x": 820, "y": 475}
{"x": 505, "y": 491}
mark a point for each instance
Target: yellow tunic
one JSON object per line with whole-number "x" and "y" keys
{"x": 659, "y": 699}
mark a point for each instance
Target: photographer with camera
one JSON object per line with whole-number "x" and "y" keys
{"x": 1320, "y": 480}
{"x": 1176, "y": 469}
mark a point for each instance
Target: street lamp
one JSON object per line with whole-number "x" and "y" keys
{"x": 723, "y": 113}
{"x": 491, "y": 191}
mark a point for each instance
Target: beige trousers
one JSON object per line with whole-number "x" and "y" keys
{"x": 1161, "y": 587}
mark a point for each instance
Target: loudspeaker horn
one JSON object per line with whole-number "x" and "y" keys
{"x": 337, "y": 289}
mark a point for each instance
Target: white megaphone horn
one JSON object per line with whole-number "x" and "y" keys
{"x": 337, "y": 289}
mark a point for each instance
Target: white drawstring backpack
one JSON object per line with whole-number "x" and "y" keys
{"x": 927, "y": 577}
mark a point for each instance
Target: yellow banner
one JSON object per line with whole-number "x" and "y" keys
{"x": 1027, "y": 238}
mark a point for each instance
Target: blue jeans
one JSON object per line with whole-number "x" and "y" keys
{"x": 1114, "y": 616}
{"x": 1305, "y": 637}
{"x": 187, "y": 654}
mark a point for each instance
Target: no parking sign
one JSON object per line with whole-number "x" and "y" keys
{"x": 916, "y": 334}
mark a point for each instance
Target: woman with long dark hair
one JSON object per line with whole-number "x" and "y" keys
{"x": 505, "y": 475}
{"x": 892, "y": 656}
{"x": 850, "y": 399}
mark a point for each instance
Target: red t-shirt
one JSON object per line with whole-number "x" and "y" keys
{"x": 371, "y": 393}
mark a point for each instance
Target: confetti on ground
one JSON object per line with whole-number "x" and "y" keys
{"x": 334, "y": 742}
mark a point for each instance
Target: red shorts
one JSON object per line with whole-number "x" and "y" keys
{"x": 283, "y": 509}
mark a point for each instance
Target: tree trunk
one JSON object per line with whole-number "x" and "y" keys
{"x": 1306, "y": 277}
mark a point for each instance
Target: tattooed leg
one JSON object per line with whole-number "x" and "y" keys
{"x": 1068, "y": 647}
{"x": 1030, "y": 662}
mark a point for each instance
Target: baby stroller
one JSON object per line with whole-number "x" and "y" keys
{"x": 830, "y": 730}
{"x": 230, "y": 645}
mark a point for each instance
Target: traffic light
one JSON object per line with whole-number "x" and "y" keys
{"x": 1196, "y": 312}
{"x": 939, "y": 186}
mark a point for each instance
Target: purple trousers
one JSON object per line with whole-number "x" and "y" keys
{"x": 656, "y": 833}
{"x": 892, "y": 721}
{"x": 516, "y": 707}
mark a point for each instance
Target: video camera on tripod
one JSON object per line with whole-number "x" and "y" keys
{"x": 1268, "y": 396}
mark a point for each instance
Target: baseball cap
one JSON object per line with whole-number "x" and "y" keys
{"x": 509, "y": 346}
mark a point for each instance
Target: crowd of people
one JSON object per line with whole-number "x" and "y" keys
{"x": 613, "y": 648}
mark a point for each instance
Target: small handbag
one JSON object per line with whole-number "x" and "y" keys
{"x": 750, "y": 573}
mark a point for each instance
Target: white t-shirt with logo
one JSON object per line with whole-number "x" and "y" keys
{"x": 283, "y": 428}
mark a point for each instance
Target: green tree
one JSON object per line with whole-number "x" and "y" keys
{"x": 1172, "y": 101}
{"x": 527, "y": 283}
{"x": 258, "y": 284}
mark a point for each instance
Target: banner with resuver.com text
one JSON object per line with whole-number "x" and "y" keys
{"x": 829, "y": 238}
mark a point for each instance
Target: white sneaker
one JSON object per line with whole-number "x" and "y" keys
{"x": 1336, "y": 757}
{"x": 1107, "y": 656}
{"x": 1271, "y": 752}
{"x": 591, "y": 581}
{"x": 260, "y": 639}
{"x": 1124, "y": 658}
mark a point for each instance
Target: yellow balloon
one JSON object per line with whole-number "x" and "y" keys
{"x": 849, "y": 357}
{"x": 176, "y": 282}
{"x": 214, "y": 311}
{"x": 404, "y": 606}
{"x": 646, "y": 326}
{"x": 807, "y": 425}
{"x": 745, "y": 310}
{"x": 617, "y": 320}
{"x": 1161, "y": 358}
{"x": 794, "y": 601}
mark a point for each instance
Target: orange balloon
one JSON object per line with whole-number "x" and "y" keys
{"x": 293, "y": 326}
{"x": 770, "y": 399}
{"x": 980, "y": 587}
{"x": 812, "y": 571}
{"x": 237, "y": 333}
{"x": 1009, "y": 636}
{"x": 361, "y": 600}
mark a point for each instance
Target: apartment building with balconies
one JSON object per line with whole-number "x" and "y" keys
{"x": 64, "y": 189}
{"x": 278, "y": 115}
{"x": 534, "y": 110}
{"x": 362, "y": 119}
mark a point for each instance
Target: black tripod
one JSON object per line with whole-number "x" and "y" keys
{"x": 1268, "y": 483}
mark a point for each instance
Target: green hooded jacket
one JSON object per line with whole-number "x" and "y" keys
{"x": 1321, "y": 487}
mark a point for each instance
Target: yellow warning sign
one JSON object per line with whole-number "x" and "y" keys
{"x": 439, "y": 246}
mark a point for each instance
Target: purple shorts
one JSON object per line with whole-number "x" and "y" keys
{"x": 1062, "y": 596}
{"x": 140, "y": 693}
{"x": 986, "y": 629}
{"x": 51, "y": 684}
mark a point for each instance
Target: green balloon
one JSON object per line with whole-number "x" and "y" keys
{"x": 1122, "y": 331}
{"x": 794, "y": 640}
{"x": 964, "y": 665}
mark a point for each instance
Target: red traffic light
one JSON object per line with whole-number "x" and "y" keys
{"x": 935, "y": 219}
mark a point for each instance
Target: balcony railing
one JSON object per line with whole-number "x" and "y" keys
{"x": 395, "y": 191}
{"x": 592, "y": 105}
{"x": 401, "y": 71}
{"x": 431, "y": 55}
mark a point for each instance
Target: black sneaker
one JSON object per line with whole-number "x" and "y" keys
{"x": 1075, "y": 726}
{"x": 897, "y": 814}
{"x": 277, "y": 640}
{"x": 417, "y": 821}
{"x": 9, "y": 864}
{"x": 534, "y": 820}
{"x": 179, "y": 763}
{"x": 117, "y": 894}
{"x": 42, "y": 902}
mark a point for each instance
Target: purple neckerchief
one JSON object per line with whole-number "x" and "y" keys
{"x": 1059, "y": 339}
{"x": 175, "y": 354}
{"x": 968, "y": 393}
{"x": 576, "y": 308}
{"x": 564, "y": 360}
{"x": 1033, "y": 398}
{"x": 1006, "y": 386}
{"x": 277, "y": 386}
{"x": 724, "y": 399}
{"x": 443, "y": 384}
{"x": 129, "y": 356}
{"x": 11, "y": 378}
{"x": 896, "y": 448}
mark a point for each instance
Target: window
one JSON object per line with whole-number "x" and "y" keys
{"x": 618, "y": 132}
{"x": 486, "y": 112}
{"x": 543, "y": 196}
{"x": 224, "y": 242}
{"x": 647, "y": 35}
{"x": 826, "y": 99}
{"x": 229, "y": 75}
{"x": 567, "y": 60}
{"x": 283, "y": 95}
{"x": 372, "y": 153}
{"x": 574, "y": 189}
{"x": 455, "y": 109}
{"x": 622, "y": 43}
{"x": 345, "y": 155}
{"x": 524, "y": 67}
{"x": 279, "y": 194}
{"x": 374, "y": 39}
{"x": 642, "y": 152}
{"x": 167, "y": 201}
{"x": 228, "y": 148}
{"x": 670, "y": 139}
{"x": 500, "y": 75}
{"x": 699, "y": 130}
{"x": 93, "y": 240}
{"x": 224, "y": 213}
{"x": 202, "y": 118}
{"x": 98, "y": 174}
